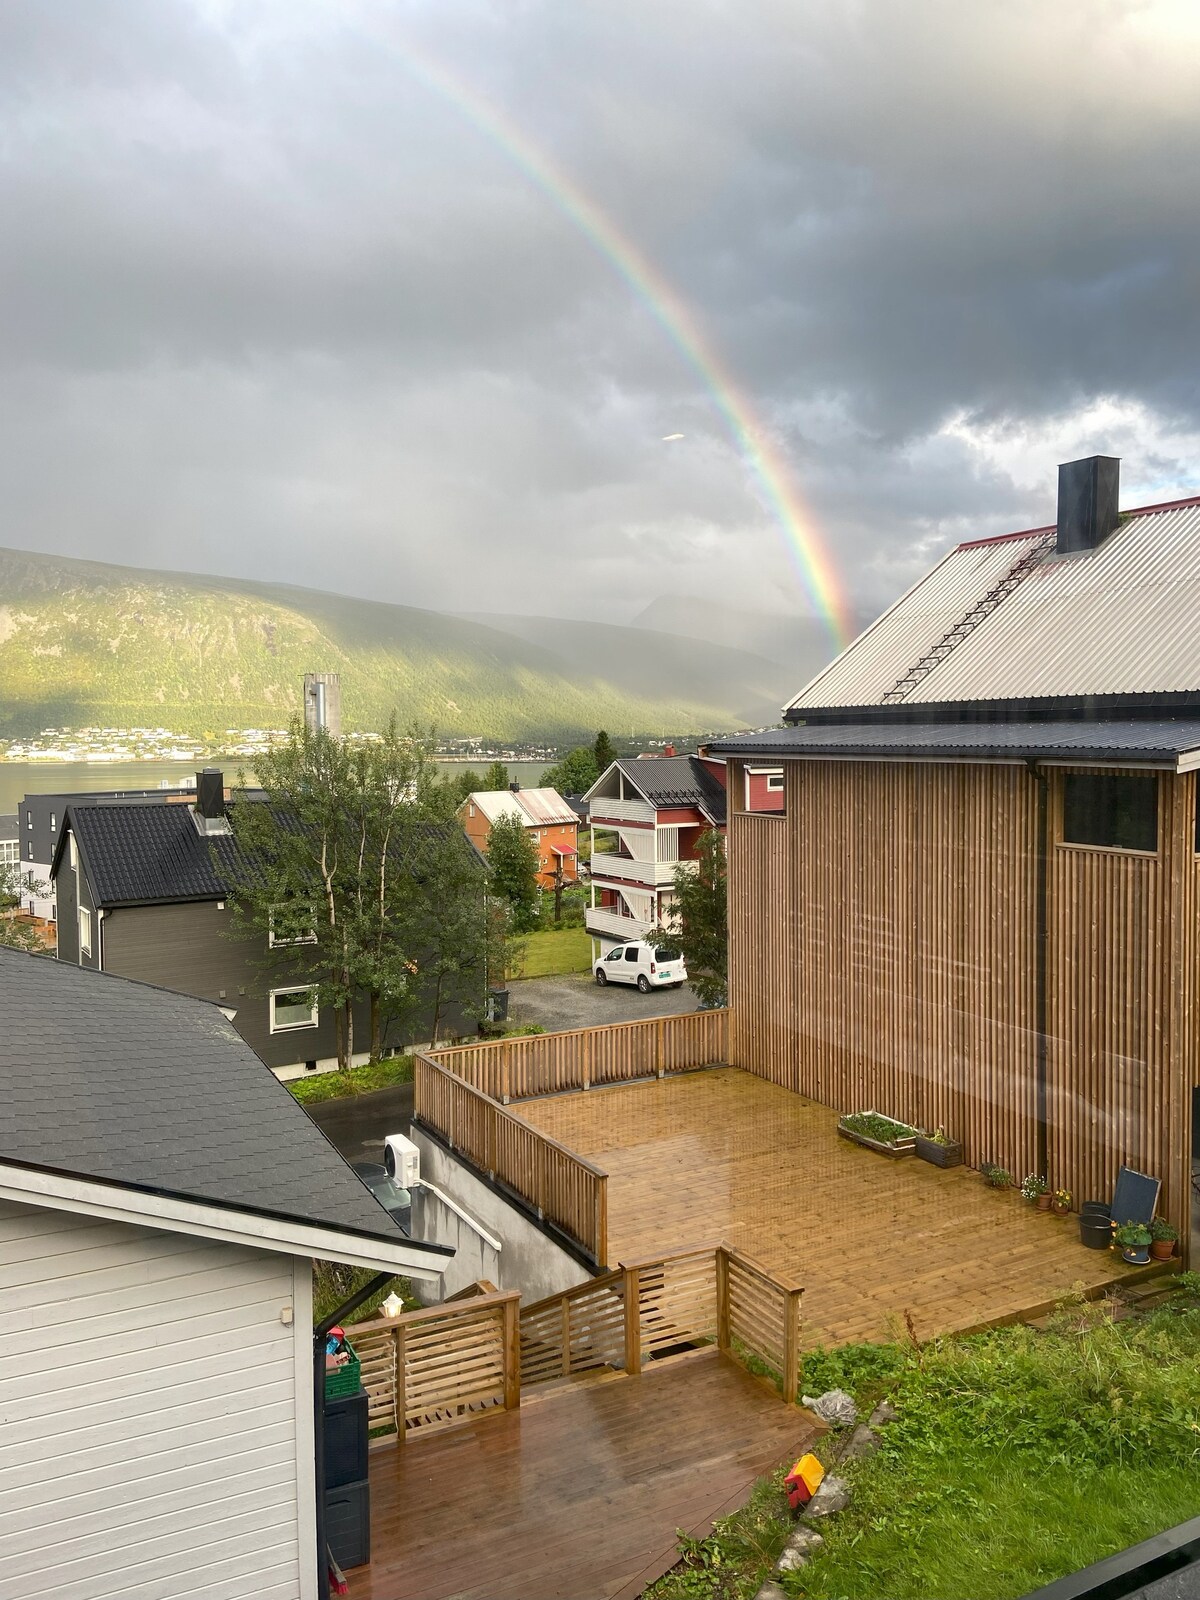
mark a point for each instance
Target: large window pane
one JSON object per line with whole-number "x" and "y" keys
{"x": 1115, "y": 811}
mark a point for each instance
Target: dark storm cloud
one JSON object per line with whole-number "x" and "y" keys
{"x": 273, "y": 305}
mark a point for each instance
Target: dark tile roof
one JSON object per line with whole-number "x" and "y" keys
{"x": 1127, "y": 742}
{"x": 144, "y": 854}
{"x": 113, "y": 1080}
{"x": 677, "y": 781}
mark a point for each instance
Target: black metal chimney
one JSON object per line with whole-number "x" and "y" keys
{"x": 1087, "y": 502}
{"x": 210, "y": 793}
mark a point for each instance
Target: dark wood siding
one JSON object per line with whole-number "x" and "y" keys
{"x": 71, "y": 889}
{"x": 882, "y": 954}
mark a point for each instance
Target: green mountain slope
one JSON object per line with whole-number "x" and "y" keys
{"x": 84, "y": 643}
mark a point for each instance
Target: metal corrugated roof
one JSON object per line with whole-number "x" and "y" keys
{"x": 545, "y": 807}
{"x": 1120, "y": 619}
{"x": 1129, "y": 742}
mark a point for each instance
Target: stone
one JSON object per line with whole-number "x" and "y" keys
{"x": 883, "y": 1413}
{"x": 804, "y": 1539}
{"x": 862, "y": 1442}
{"x": 770, "y": 1591}
{"x": 791, "y": 1561}
{"x": 831, "y": 1497}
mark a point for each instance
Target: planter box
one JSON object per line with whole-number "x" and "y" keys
{"x": 904, "y": 1144}
{"x": 939, "y": 1155}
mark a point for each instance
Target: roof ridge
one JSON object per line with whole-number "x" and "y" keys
{"x": 1051, "y": 527}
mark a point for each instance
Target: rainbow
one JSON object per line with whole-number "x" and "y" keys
{"x": 811, "y": 560}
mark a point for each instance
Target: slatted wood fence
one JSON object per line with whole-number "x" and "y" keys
{"x": 563, "y": 1188}
{"x": 426, "y": 1370}
{"x": 520, "y": 1068}
{"x": 710, "y": 1294}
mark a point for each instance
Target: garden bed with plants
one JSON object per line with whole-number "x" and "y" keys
{"x": 1019, "y": 1455}
{"x": 877, "y": 1132}
{"x": 357, "y": 1080}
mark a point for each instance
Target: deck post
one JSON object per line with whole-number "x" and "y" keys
{"x": 511, "y": 1312}
{"x": 633, "y": 1321}
{"x": 660, "y": 1070}
{"x": 399, "y": 1387}
{"x": 585, "y": 1042}
{"x": 722, "y": 1299}
{"x": 791, "y": 1346}
{"x": 602, "y": 1222}
{"x": 565, "y": 1337}
{"x": 506, "y": 1074}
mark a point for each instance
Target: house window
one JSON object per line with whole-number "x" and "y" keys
{"x": 53, "y": 824}
{"x": 775, "y": 782}
{"x": 71, "y": 849}
{"x": 293, "y": 1008}
{"x": 10, "y": 852}
{"x": 85, "y": 931}
{"x": 291, "y": 925}
{"x": 1113, "y": 811}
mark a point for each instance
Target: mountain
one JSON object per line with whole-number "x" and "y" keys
{"x": 636, "y": 660}
{"x": 83, "y": 643}
{"x": 797, "y": 647}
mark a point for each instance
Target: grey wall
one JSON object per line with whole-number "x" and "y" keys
{"x": 72, "y": 890}
{"x": 528, "y": 1259}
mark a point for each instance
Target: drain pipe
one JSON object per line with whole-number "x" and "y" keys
{"x": 320, "y": 1332}
{"x": 1040, "y": 940}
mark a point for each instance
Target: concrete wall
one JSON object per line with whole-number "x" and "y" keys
{"x": 528, "y": 1259}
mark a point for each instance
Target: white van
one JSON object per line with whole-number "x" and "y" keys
{"x": 649, "y": 966}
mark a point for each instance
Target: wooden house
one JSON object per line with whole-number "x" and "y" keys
{"x": 551, "y": 823}
{"x": 980, "y": 906}
{"x": 162, "y": 1199}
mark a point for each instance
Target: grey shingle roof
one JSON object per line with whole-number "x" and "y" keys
{"x": 1124, "y": 741}
{"x": 113, "y": 1080}
{"x": 677, "y": 781}
{"x": 144, "y": 854}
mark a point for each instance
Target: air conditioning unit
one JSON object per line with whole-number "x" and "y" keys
{"x": 403, "y": 1160}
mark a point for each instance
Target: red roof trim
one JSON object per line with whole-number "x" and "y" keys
{"x": 1134, "y": 511}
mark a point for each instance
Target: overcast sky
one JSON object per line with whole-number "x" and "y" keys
{"x": 276, "y": 305}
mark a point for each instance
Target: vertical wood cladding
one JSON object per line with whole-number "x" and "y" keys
{"x": 882, "y": 954}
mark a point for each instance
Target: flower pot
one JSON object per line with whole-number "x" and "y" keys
{"x": 939, "y": 1155}
{"x": 1059, "y": 1209}
{"x": 1162, "y": 1249}
{"x": 903, "y": 1143}
{"x": 1095, "y": 1233}
{"x": 1094, "y": 1208}
{"x": 1137, "y": 1255}
{"x": 1044, "y": 1202}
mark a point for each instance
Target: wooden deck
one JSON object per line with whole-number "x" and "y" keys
{"x": 721, "y": 1154}
{"x": 578, "y": 1495}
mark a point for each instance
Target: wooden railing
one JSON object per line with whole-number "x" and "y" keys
{"x": 561, "y": 1187}
{"x": 517, "y": 1069}
{"x": 707, "y": 1295}
{"x": 425, "y": 1370}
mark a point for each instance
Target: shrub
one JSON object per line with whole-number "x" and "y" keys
{"x": 1032, "y": 1186}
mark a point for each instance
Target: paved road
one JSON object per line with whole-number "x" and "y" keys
{"x": 357, "y": 1124}
{"x": 576, "y": 1001}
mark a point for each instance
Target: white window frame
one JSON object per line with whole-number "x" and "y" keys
{"x": 74, "y": 854}
{"x": 292, "y": 1027}
{"x": 274, "y": 943}
{"x": 85, "y": 931}
{"x": 10, "y": 852}
{"x": 774, "y": 782}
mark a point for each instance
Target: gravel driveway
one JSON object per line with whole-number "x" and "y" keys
{"x": 576, "y": 1001}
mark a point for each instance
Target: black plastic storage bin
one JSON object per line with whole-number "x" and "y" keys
{"x": 348, "y": 1523}
{"x": 346, "y": 1440}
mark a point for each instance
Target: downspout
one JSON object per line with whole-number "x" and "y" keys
{"x": 1040, "y": 963}
{"x": 379, "y": 1281}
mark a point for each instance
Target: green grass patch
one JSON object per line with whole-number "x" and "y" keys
{"x": 554, "y": 953}
{"x": 1019, "y": 1456}
{"x": 358, "y": 1080}
{"x": 334, "y": 1283}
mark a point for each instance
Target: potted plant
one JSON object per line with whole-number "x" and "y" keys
{"x": 1162, "y": 1239}
{"x": 1036, "y": 1190}
{"x": 1062, "y": 1202}
{"x": 1134, "y": 1239}
{"x": 877, "y": 1132}
{"x": 938, "y": 1149}
{"x": 996, "y": 1177}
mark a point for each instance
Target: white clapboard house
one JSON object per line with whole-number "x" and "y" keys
{"x": 162, "y": 1198}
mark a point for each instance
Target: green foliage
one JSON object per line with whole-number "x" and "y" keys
{"x": 1033, "y": 1186}
{"x": 884, "y": 1130}
{"x": 357, "y": 1080}
{"x": 1162, "y": 1231}
{"x": 1133, "y": 1235}
{"x": 703, "y": 922}
{"x": 996, "y": 1177}
{"x": 496, "y": 777}
{"x": 574, "y": 774}
{"x": 334, "y": 1283}
{"x": 513, "y": 862}
{"x": 552, "y": 953}
{"x": 1188, "y": 1282}
{"x": 603, "y": 753}
{"x": 16, "y": 881}
{"x": 1018, "y": 1456}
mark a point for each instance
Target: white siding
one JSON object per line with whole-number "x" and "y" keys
{"x": 149, "y": 1396}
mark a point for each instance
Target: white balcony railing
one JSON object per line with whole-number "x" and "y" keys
{"x": 613, "y": 924}
{"x": 624, "y": 869}
{"x": 600, "y": 811}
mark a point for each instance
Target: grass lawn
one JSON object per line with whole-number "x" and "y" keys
{"x": 359, "y": 1080}
{"x": 550, "y": 954}
{"x": 1020, "y": 1455}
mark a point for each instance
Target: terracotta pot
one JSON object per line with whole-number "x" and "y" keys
{"x": 1162, "y": 1249}
{"x": 1059, "y": 1209}
{"x": 1044, "y": 1202}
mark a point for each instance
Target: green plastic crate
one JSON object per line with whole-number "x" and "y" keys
{"x": 346, "y": 1379}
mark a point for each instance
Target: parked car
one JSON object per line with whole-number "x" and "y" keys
{"x": 650, "y": 966}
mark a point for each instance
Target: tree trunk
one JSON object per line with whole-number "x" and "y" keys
{"x": 437, "y": 1010}
{"x": 558, "y": 889}
{"x": 339, "y": 1033}
{"x": 349, "y": 1062}
{"x": 376, "y": 1026}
